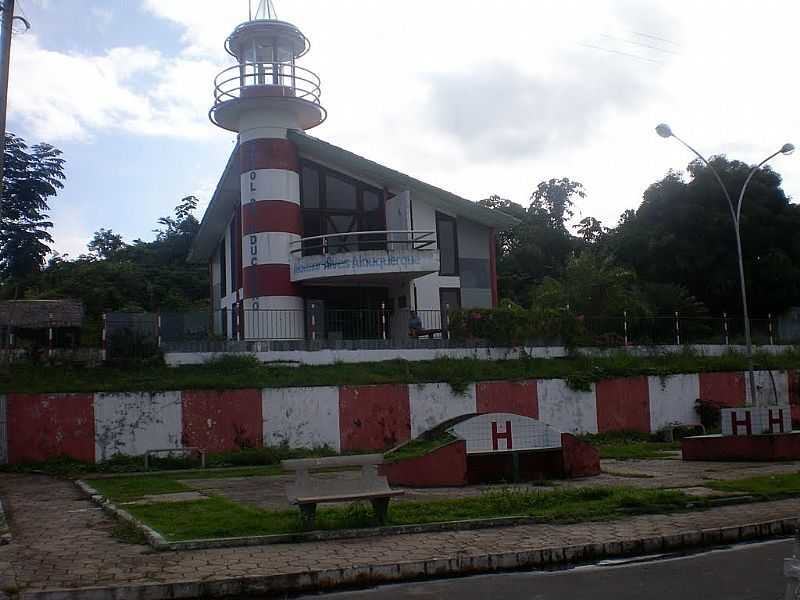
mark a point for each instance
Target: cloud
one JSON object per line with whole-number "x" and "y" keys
{"x": 69, "y": 95}
{"x": 497, "y": 111}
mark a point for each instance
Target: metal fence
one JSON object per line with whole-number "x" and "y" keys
{"x": 136, "y": 334}
{"x": 680, "y": 330}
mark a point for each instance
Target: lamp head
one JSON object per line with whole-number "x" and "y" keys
{"x": 664, "y": 130}
{"x": 787, "y": 149}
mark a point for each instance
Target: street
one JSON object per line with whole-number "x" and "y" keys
{"x": 744, "y": 572}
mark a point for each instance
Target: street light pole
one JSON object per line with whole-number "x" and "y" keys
{"x": 5, "y": 60}
{"x": 665, "y": 131}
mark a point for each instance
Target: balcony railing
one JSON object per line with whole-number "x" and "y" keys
{"x": 259, "y": 79}
{"x": 354, "y": 241}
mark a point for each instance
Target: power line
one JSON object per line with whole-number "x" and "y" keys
{"x": 640, "y": 44}
{"x": 621, "y": 53}
{"x": 655, "y": 37}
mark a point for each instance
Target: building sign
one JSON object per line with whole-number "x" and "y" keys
{"x": 368, "y": 262}
{"x": 505, "y": 432}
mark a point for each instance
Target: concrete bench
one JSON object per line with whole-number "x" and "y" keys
{"x": 307, "y": 491}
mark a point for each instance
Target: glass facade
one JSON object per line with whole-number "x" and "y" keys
{"x": 334, "y": 203}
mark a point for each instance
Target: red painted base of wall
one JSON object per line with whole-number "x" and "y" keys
{"x": 444, "y": 467}
{"x": 579, "y": 459}
{"x": 779, "y": 446}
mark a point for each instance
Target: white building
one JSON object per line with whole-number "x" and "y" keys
{"x": 305, "y": 240}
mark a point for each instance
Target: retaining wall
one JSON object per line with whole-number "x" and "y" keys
{"x": 94, "y": 427}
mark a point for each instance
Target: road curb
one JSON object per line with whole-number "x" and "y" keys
{"x": 460, "y": 564}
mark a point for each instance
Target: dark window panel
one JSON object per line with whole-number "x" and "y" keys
{"x": 309, "y": 197}
{"x": 340, "y": 194}
{"x": 447, "y": 238}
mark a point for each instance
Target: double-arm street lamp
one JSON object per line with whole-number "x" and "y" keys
{"x": 665, "y": 131}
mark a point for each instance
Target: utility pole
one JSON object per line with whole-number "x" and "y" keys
{"x": 5, "y": 65}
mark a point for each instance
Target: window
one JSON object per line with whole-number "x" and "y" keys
{"x": 233, "y": 254}
{"x": 447, "y": 238}
{"x": 223, "y": 267}
{"x": 340, "y": 194}
{"x": 310, "y": 191}
{"x": 335, "y": 203}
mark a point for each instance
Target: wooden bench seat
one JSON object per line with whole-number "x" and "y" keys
{"x": 307, "y": 491}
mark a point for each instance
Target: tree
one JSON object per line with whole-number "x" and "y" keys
{"x": 540, "y": 245}
{"x": 142, "y": 276}
{"x": 591, "y": 230}
{"x": 682, "y": 233}
{"x": 31, "y": 178}
{"x": 106, "y": 244}
{"x": 554, "y": 198}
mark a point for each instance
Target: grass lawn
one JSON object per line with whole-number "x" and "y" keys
{"x": 244, "y": 372}
{"x": 125, "y": 489}
{"x": 642, "y": 450}
{"x": 218, "y": 517}
{"x": 419, "y": 447}
{"x": 765, "y": 486}
{"x": 625, "y": 445}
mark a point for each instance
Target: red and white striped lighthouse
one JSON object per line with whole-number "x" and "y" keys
{"x": 262, "y": 97}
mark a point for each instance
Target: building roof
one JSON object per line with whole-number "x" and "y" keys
{"x": 39, "y": 314}
{"x": 227, "y": 194}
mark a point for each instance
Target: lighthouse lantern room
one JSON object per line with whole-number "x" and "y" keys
{"x": 267, "y": 78}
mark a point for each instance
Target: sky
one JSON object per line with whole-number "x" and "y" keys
{"x": 478, "y": 98}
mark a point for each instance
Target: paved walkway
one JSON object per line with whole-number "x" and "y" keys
{"x": 61, "y": 540}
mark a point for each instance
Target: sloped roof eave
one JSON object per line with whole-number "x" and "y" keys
{"x": 334, "y": 155}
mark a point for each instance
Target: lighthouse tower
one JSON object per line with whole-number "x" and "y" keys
{"x": 261, "y": 98}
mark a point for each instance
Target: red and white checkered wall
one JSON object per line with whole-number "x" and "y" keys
{"x": 94, "y": 427}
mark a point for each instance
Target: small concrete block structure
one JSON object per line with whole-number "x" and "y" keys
{"x": 497, "y": 447}
{"x": 770, "y": 447}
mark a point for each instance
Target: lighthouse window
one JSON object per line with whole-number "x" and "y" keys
{"x": 310, "y": 191}
{"x": 340, "y": 194}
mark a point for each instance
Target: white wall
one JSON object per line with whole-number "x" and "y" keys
{"x": 433, "y": 403}
{"x": 672, "y": 400}
{"x": 132, "y": 423}
{"x": 427, "y": 287}
{"x": 567, "y": 410}
{"x": 301, "y": 417}
{"x": 765, "y": 392}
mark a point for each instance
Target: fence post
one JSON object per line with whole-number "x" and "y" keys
{"x": 50, "y": 337}
{"x": 625, "y": 326}
{"x": 158, "y": 328}
{"x": 677, "y": 330}
{"x": 104, "y": 338}
{"x": 725, "y": 328}
{"x": 383, "y": 319}
{"x": 769, "y": 325}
